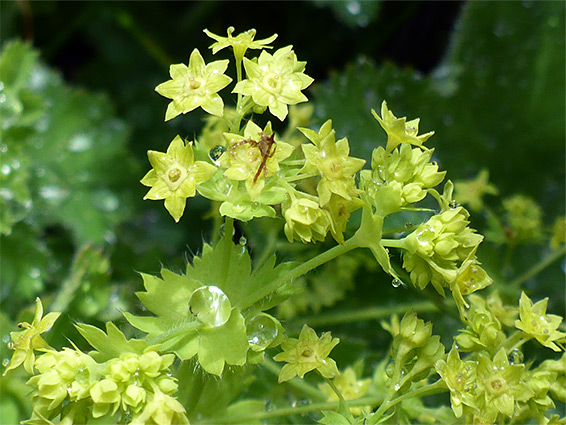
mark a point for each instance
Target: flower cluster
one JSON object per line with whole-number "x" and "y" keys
{"x": 73, "y": 385}
{"x": 400, "y": 177}
{"x": 483, "y": 329}
{"x": 436, "y": 248}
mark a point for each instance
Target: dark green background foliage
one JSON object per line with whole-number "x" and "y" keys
{"x": 488, "y": 77}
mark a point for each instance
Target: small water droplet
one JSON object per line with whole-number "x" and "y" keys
{"x": 262, "y": 331}
{"x": 397, "y": 387}
{"x": 243, "y": 240}
{"x": 5, "y": 362}
{"x": 516, "y": 357}
{"x": 211, "y": 306}
{"x": 396, "y": 283}
{"x": 453, "y": 204}
{"x": 10, "y": 345}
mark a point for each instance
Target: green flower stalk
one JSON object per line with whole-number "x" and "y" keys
{"x": 195, "y": 85}
{"x": 307, "y": 353}
{"x": 24, "y": 343}
{"x": 399, "y": 130}
{"x": 350, "y": 387}
{"x": 275, "y": 81}
{"x": 537, "y": 324}
{"x": 240, "y": 43}
{"x": 331, "y": 160}
{"x": 175, "y": 176}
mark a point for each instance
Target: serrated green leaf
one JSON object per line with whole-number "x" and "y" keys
{"x": 169, "y": 296}
{"x": 224, "y": 344}
{"x": 228, "y": 267}
{"x": 110, "y": 344}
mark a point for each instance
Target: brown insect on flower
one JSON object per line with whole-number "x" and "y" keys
{"x": 266, "y": 146}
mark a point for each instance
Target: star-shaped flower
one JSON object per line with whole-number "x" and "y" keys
{"x": 195, "y": 85}
{"x": 471, "y": 192}
{"x": 502, "y": 383}
{"x": 253, "y": 157}
{"x": 275, "y": 81}
{"x": 240, "y": 43}
{"x": 25, "y": 342}
{"x": 459, "y": 377}
{"x": 307, "y": 353}
{"x": 399, "y": 130}
{"x": 330, "y": 160}
{"x": 175, "y": 176}
{"x": 535, "y": 322}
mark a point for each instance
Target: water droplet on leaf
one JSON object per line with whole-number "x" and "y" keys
{"x": 210, "y": 306}
{"x": 262, "y": 331}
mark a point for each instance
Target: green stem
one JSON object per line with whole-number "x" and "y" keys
{"x": 299, "y": 384}
{"x": 359, "y": 315}
{"x": 537, "y": 268}
{"x": 228, "y": 233}
{"x": 69, "y": 288}
{"x": 127, "y": 22}
{"x": 393, "y": 243}
{"x": 341, "y": 399}
{"x": 298, "y": 271}
{"x": 293, "y": 410}
{"x": 299, "y": 177}
{"x": 517, "y": 339}
{"x": 434, "y": 388}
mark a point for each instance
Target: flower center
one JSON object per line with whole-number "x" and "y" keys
{"x": 174, "y": 175}
{"x": 272, "y": 83}
{"x": 194, "y": 83}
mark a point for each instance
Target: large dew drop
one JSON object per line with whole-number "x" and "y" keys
{"x": 210, "y": 306}
{"x": 261, "y": 331}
